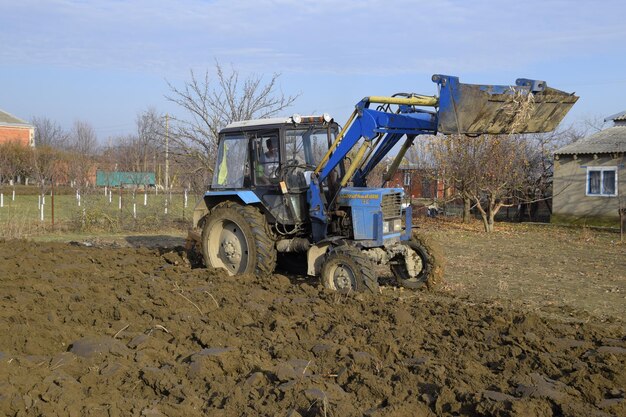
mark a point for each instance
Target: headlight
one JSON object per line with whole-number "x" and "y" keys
{"x": 397, "y": 225}
{"x": 385, "y": 227}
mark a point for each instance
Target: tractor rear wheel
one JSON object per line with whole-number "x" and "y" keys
{"x": 235, "y": 238}
{"x": 348, "y": 269}
{"x": 424, "y": 265}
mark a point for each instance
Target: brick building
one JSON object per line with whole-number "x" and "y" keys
{"x": 419, "y": 182}
{"x": 13, "y": 129}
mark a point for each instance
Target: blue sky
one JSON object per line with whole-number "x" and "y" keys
{"x": 105, "y": 61}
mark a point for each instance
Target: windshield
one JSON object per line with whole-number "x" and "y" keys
{"x": 232, "y": 162}
{"x": 307, "y": 146}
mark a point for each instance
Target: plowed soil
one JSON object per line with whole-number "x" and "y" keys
{"x": 119, "y": 331}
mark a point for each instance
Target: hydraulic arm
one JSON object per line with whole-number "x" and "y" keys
{"x": 459, "y": 109}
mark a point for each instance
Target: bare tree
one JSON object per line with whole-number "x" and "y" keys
{"x": 191, "y": 174}
{"x": 540, "y": 167}
{"x": 484, "y": 170}
{"x": 6, "y": 155}
{"x": 456, "y": 157}
{"x": 150, "y": 133}
{"x": 503, "y": 162}
{"x": 212, "y": 104}
{"x": 420, "y": 153}
{"x": 14, "y": 161}
{"x": 591, "y": 125}
{"x": 48, "y": 165}
{"x": 82, "y": 145}
{"x": 125, "y": 153}
{"x": 49, "y": 133}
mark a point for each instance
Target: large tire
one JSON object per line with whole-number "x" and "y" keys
{"x": 432, "y": 270}
{"x": 347, "y": 269}
{"x": 235, "y": 238}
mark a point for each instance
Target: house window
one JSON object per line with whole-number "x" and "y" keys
{"x": 602, "y": 181}
{"x": 407, "y": 179}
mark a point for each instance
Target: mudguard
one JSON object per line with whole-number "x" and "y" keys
{"x": 213, "y": 198}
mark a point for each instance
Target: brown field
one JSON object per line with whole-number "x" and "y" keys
{"x": 530, "y": 322}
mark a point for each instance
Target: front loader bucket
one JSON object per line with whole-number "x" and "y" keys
{"x": 528, "y": 107}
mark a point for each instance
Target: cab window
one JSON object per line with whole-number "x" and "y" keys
{"x": 232, "y": 162}
{"x": 306, "y": 146}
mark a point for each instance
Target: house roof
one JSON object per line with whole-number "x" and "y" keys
{"x": 617, "y": 117}
{"x": 7, "y": 119}
{"x": 609, "y": 140}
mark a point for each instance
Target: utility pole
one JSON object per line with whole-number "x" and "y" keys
{"x": 167, "y": 152}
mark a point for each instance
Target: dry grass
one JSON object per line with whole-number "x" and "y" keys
{"x": 548, "y": 268}
{"x": 17, "y": 224}
{"x": 21, "y": 218}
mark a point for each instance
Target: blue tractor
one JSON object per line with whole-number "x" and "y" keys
{"x": 288, "y": 184}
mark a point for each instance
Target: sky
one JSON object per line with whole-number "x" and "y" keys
{"x": 104, "y": 62}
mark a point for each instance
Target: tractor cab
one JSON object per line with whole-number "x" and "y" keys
{"x": 270, "y": 161}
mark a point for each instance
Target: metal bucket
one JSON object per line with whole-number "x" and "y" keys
{"x": 530, "y": 106}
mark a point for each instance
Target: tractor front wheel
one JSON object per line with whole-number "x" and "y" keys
{"x": 347, "y": 269}
{"x": 420, "y": 264}
{"x": 235, "y": 238}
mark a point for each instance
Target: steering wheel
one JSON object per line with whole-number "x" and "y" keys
{"x": 275, "y": 173}
{"x": 293, "y": 172}
{"x": 295, "y": 163}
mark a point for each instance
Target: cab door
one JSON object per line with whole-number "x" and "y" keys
{"x": 266, "y": 159}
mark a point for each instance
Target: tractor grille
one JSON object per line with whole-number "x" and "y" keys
{"x": 391, "y": 205}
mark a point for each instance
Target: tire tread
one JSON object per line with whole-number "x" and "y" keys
{"x": 365, "y": 265}
{"x": 265, "y": 248}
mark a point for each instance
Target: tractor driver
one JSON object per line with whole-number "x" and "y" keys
{"x": 269, "y": 160}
